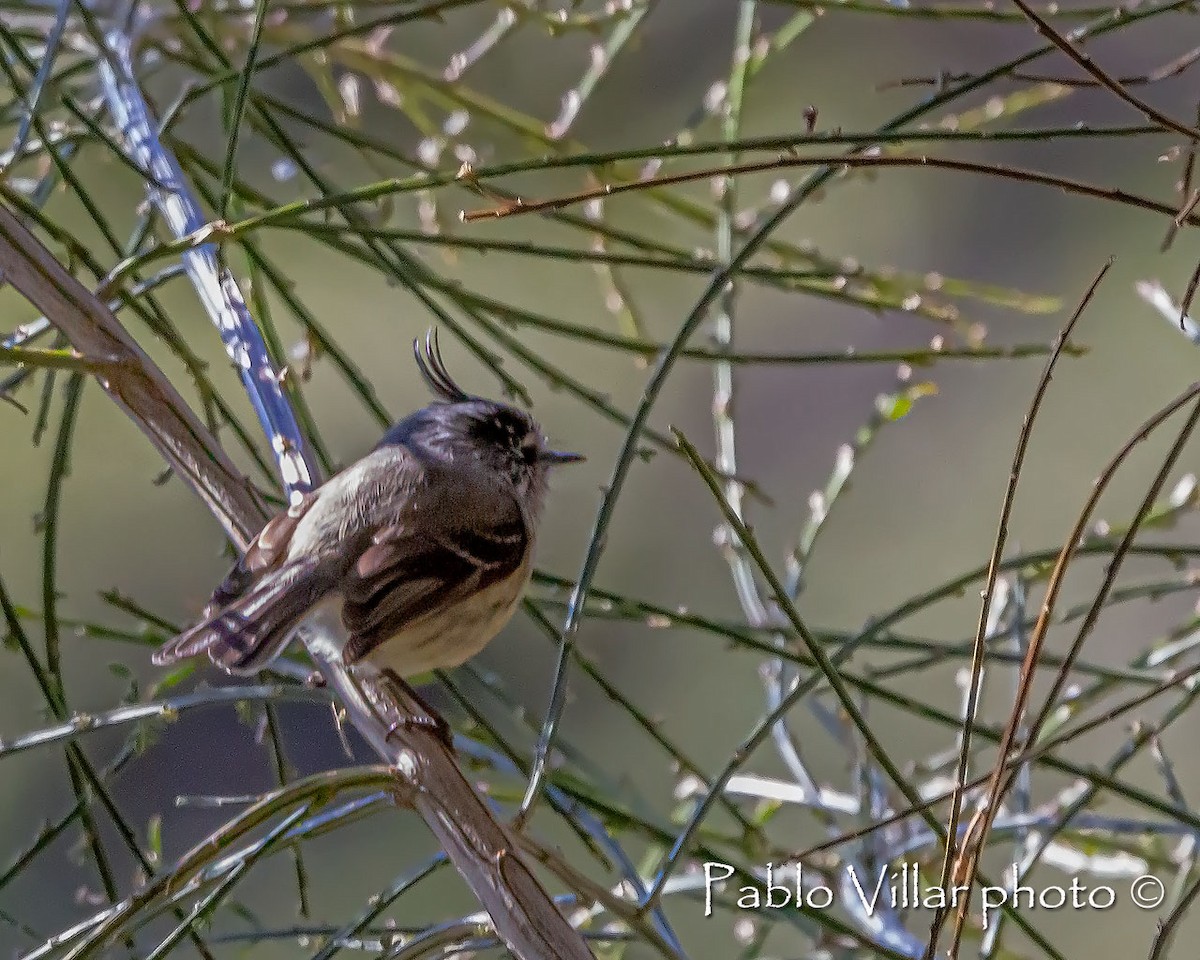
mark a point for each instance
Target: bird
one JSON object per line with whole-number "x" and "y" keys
{"x": 421, "y": 549}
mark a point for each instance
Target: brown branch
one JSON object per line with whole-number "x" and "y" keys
{"x": 979, "y": 647}
{"x": 1185, "y": 190}
{"x": 787, "y": 160}
{"x": 139, "y": 388}
{"x": 1172, "y": 69}
{"x": 1185, "y": 305}
{"x": 967, "y": 863}
{"x": 1085, "y": 62}
{"x": 481, "y": 848}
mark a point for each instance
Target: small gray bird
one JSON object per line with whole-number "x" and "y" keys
{"x": 422, "y": 548}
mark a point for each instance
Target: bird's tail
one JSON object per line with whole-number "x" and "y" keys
{"x": 247, "y": 634}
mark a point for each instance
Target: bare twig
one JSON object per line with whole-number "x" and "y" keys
{"x": 999, "y": 543}
{"x": 967, "y": 862}
{"x": 1167, "y": 70}
{"x": 1085, "y": 62}
{"x": 788, "y": 160}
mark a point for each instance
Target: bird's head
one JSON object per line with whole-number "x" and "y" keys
{"x": 503, "y": 440}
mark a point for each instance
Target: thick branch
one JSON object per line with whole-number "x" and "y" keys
{"x": 130, "y": 378}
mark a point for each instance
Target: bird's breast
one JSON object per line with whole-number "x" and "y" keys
{"x": 451, "y": 635}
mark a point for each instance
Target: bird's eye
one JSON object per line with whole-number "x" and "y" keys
{"x": 529, "y": 452}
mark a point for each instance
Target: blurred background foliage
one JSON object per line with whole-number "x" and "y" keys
{"x": 566, "y": 309}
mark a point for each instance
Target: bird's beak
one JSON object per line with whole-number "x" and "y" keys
{"x": 557, "y": 457}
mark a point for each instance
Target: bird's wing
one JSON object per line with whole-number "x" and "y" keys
{"x": 253, "y": 612}
{"x": 416, "y": 567}
{"x": 266, "y": 552}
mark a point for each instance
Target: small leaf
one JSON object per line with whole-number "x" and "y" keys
{"x": 764, "y": 812}
{"x": 174, "y": 678}
{"x": 154, "y": 839}
{"x": 896, "y": 406}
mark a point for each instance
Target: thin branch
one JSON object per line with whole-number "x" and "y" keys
{"x": 1029, "y": 753}
{"x": 998, "y": 546}
{"x": 941, "y": 10}
{"x": 1085, "y": 62}
{"x": 166, "y": 710}
{"x": 967, "y": 863}
{"x": 788, "y": 161}
{"x": 1171, "y": 69}
{"x": 217, "y": 290}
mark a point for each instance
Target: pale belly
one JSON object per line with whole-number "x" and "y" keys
{"x": 448, "y": 638}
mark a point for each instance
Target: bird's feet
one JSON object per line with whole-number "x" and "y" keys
{"x": 411, "y": 712}
{"x": 431, "y": 722}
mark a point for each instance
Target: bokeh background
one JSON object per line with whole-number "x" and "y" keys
{"x": 921, "y": 508}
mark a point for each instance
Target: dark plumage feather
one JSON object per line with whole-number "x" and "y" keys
{"x": 259, "y": 603}
{"x": 406, "y": 575}
{"x": 433, "y": 369}
{"x": 244, "y": 636}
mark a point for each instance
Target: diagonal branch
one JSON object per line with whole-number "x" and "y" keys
{"x": 985, "y": 611}
{"x": 1085, "y": 63}
{"x": 139, "y": 388}
{"x": 216, "y": 288}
